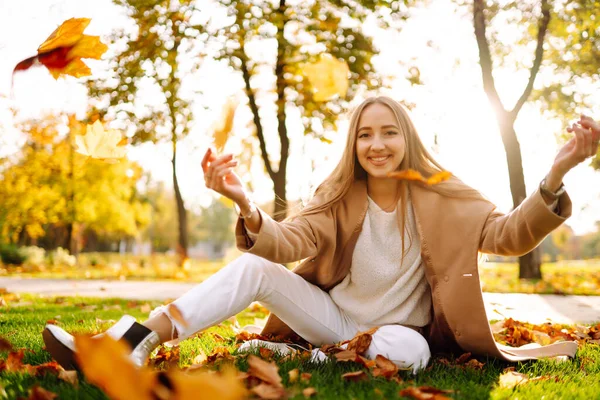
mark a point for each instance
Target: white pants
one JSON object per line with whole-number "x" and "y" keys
{"x": 304, "y": 307}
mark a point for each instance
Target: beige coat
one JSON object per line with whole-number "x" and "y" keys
{"x": 452, "y": 231}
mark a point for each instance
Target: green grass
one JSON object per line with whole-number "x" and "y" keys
{"x": 23, "y": 321}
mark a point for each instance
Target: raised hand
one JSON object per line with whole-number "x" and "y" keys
{"x": 582, "y": 145}
{"x": 219, "y": 176}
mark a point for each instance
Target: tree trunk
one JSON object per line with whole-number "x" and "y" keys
{"x": 279, "y": 179}
{"x": 530, "y": 263}
{"x": 182, "y": 246}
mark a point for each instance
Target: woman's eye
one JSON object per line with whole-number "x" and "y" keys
{"x": 392, "y": 133}
{"x": 362, "y": 135}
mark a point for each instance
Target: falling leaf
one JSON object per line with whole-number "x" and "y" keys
{"x": 355, "y": 376}
{"x": 100, "y": 143}
{"x": 328, "y": 77}
{"x": 105, "y": 363}
{"x": 224, "y": 126}
{"x": 412, "y": 175}
{"x": 308, "y": 392}
{"x": 265, "y": 371}
{"x": 425, "y": 393}
{"x": 39, "y": 393}
{"x": 222, "y": 386}
{"x": 62, "y": 52}
{"x": 5, "y": 345}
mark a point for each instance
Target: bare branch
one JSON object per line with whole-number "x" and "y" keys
{"x": 539, "y": 55}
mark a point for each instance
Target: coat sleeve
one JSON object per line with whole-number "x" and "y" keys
{"x": 521, "y": 230}
{"x": 282, "y": 242}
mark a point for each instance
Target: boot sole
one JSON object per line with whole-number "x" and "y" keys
{"x": 61, "y": 353}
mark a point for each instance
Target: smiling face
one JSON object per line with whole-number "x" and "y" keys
{"x": 380, "y": 144}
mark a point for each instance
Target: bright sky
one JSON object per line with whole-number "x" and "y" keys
{"x": 451, "y": 104}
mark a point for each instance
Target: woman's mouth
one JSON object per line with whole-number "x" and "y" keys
{"x": 378, "y": 161}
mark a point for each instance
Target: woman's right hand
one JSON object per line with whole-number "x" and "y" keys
{"x": 219, "y": 176}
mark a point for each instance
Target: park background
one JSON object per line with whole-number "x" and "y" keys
{"x": 167, "y": 82}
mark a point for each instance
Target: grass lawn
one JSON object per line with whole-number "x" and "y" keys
{"x": 22, "y": 321}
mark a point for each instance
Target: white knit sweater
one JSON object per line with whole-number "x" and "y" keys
{"x": 380, "y": 289}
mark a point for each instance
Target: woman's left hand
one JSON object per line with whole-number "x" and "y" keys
{"x": 581, "y": 146}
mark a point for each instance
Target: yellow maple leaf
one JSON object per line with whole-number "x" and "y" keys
{"x": 100, "y": 143}
{"x": 328, "y": 77}
{"x": 412, "y": 175}
{"x": 66, "y": 35}
{"x": 62, "y": 52}
{"x": 224, "y": 126}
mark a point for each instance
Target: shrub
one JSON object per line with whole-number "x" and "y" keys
{"x": 11, "y": 255}
{"x": 34, "y": 255}
{"x": 61, "y": 256}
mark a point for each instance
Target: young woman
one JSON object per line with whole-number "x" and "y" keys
{"x": 377, "y": 251}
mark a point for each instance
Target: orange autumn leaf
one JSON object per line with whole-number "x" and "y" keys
{"x": 222, "y": 129}
{"x": 225, "y": 386}
{"x": 355, "y": 376}
{"x": 425, "y": 393}
{"x": 5, "y": 345}
{"x": 39, "y": 393}
{"x": 105, "y": 363}
{"x": 412, "y": 175}
{"x": 62, "y": 52}
{"x": 177, "y": 315}
{"x": 267, "y": 372}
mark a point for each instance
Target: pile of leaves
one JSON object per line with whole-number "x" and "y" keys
{"x": 516, "y": 333}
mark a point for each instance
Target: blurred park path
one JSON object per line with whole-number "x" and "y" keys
{"x": 532, "y": 308}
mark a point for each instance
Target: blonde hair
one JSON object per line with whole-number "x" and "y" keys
{"x": 416, "y": 157}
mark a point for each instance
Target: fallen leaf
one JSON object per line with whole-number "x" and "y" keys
{"x": 360, "y": 343}
{"x": 146, "y": 308}
{"x": 265, "y": 371}
{"x": 385, "y": 367}
{"x": 475, "y": 364}
{"x": 425, "y": 393}
{"x": 305, "y": 376}
{"x": 509, "y": 379}
{"x": 463, "y": 358}
{"x": 5, "y": 345}
{"x": 355, "y": 376}
{"x": 100, "y": 143}
{"x": 266, "y": 391}
{"x": 39, "y": 393}
{"x": 265, "y": 354}
{"x": 200, "y": 358}
{"x": 14, "y": 361}
{"x": 69, "y": 376}
{"x": 412, "y": 175}
{"x": 294, "y": 375}
{"x": 328, "y": 77}
{"x": 308, "y": 392}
